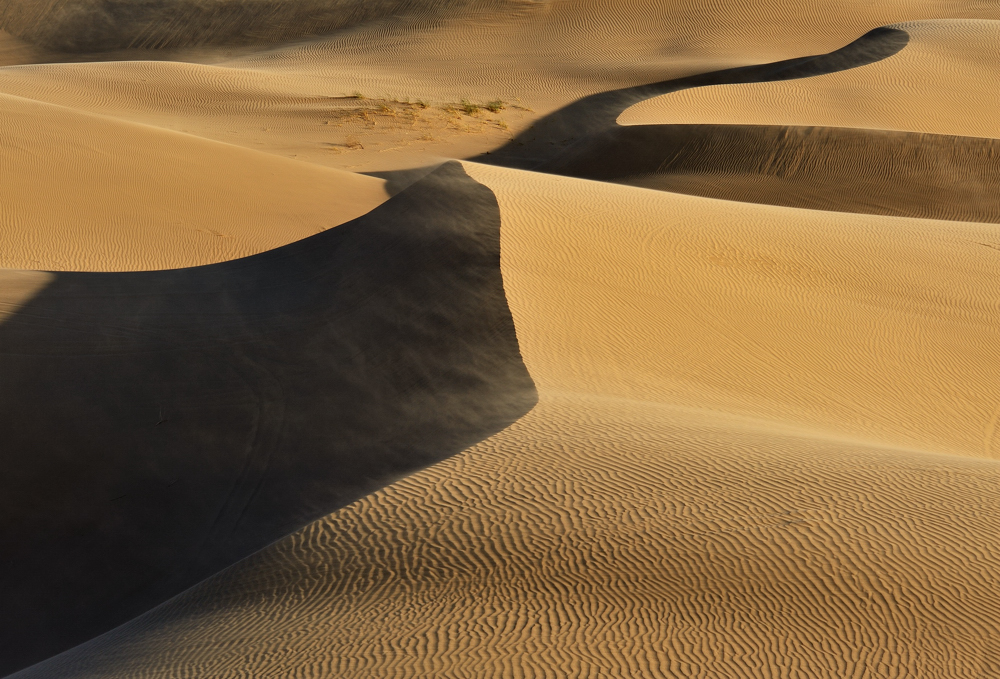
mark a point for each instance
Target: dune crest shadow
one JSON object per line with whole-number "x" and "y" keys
{"x": 551, "y": 136}
{"x": 159, "y": 426}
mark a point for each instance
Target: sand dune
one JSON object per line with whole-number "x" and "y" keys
{"x": 209, "y": 411}
{"x": 943, "y": 82}
{"x": 857, "y": 324}
{"x": 610, "y": 538}
{"x": 565, "y": 426}
{"x": 826, "y": 168}
{"x": 722, "y": 477}
{"x": 539, "y": 56}
{"x": 85, "y": 192}
{"x": 96, "y": 26}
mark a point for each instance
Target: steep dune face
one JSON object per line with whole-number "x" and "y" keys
{"x": 826, "y": 168}
{"x": 206, "y": 412}
{"x": 765, "y": 442}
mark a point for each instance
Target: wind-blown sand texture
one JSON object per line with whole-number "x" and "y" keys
{"x": 266, "y": 416}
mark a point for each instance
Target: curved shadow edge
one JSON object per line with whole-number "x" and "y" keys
{"x": 575, "y": 123}
{"x": 160, "y": 426}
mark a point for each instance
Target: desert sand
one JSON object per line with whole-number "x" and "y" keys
{"x": 511, "y": 339}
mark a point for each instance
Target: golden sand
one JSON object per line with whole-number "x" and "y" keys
{"x": 767, "y": 432}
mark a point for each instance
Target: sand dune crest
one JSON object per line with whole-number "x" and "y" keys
{"x": 209, "y": 411}
{"x": 943, "y": 82}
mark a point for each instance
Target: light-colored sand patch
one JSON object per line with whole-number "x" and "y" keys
{"x": 877, "y": 327}
{"x": 15, "y": 51}
{"x": 18, "y": 287}
{"x": 944, "y": 82}
{"x": 84, "y": 192}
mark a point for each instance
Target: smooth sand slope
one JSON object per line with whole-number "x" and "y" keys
{"x": 88, "y": 193}
{"x": 206, "y": 412}
{"x": 764, "y": 446}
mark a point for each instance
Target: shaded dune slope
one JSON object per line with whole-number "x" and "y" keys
{"x": 162, "y": 425}
{"x": 106, "y": 25}
{"x": 843, "y": 169}
{"x": 753, "y": 454}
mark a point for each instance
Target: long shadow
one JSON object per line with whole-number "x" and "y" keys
{"x": 159, "y": 426}
{"x": 553, "y": 134}
{"x": 907, "y": 174}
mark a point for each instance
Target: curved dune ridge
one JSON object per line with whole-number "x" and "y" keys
{"x": 941, "y": 83}
{"x": 704, "y": 496}
{"x": 540, "y": 56}
{"x": 209, "y": 411}
{"x": 267, "y": 416}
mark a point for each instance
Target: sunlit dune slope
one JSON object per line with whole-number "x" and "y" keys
{"x": 877, "y": 327}
{"x": 159, "y": 426}
{"x": 764, "y": 445}
{"x": 85, "y": 192}
{"x": 600, "y": 537}
{"x": 945, "y": 81}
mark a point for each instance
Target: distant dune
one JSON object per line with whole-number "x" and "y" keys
{"x": 504, "y": 338}
{"x": 106, "y": 25}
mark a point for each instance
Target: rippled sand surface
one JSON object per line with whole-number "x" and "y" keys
{"x": 508, "y": 338}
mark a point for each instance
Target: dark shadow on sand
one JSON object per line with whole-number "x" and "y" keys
{"x": 159, "y": 426}
{"x": 576, "y": 123}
